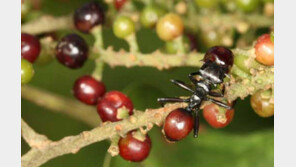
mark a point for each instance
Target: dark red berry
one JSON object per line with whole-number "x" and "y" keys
{"x": 178, "y": 124}
{"x": 30, "y": 47}
{"x": 88, "y": 16}
{"x": 88, "y": 90}
{"x": 72, "y": 51}
{"x": 220, "y": 55}
{"x": 192, "y": 41}
{"x": 134, "y": 147}
{"x": 119, "y": 4}
{"x": 216, "y": 116}
{"x": 114, "y": 106}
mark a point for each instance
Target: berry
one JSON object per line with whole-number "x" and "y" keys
{"x": 27, "y": 72}
{"x": 247, "y": 5}
{"x": 211, "y": 38}
{"x": 169, "y": 27}
{"x": 172, "y": 47}
{"x": 216, "y": 116}
{"x": 262, "y": 103}
{"x": 88, "y": 90}
{"x": 123, "y": 26}
{"x": 178, "y": 124}
{"x": 206, "y": 3}
{"x": 221, "y": 55}
{"x": 72, "y": 51}
{"x": 264, "y": 50}
{"x": 192, "y": 41}
{"x": 88, "y": 16}
{"x": 30, "y": 47}
{"x": 119, "y": 4}
{"x": 150, "y": 15}
{"x": 135, "y": 146}
{"x": 114, "y": 106}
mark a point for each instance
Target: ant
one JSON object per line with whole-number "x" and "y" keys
{"x": 217, "y": 63}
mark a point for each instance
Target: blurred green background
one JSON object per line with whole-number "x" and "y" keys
{"x": 246, "y": 142}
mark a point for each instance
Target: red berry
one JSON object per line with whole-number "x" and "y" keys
{"x": 264, "y": 50}
{"x": 88, "y": 16}
{"x": 88, "y": 90}
{"x": 220, "y": 55}
{"x": 72, "y": 51}
{"x": 114, "y": 106}
{"x": 134, "y": 147}
{"x": 178, "y": 124}
{"x": 30, "y": 47}
{"x": 193, "y": 42}
{"x": 216, "y": 116}
{"x": 119, "y": 4}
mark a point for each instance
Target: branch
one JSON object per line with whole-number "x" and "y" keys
{"x": 72, "y": 144}
{"x": 59, "y": 104}
{"x": 34, "y": 139}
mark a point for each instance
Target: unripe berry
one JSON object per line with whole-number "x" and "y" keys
{"x": 264, "y": 50}
{"x": 216, "y": 116}
{"x": 169, "y": 27}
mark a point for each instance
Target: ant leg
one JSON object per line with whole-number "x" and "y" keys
{"x": 219, "y": 103}
{"x": 191, "y": 77}
{"x": 170, "y": 99}
{"x": 216, "y": 94}
{"x": 182, "y": 85}
{"x": 196, "y": 124}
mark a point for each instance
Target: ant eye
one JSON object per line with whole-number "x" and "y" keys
{"x": 220, "y": 55}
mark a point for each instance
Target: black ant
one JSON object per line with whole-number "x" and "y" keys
{"x": 217, "y": 63}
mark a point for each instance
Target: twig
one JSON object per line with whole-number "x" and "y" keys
{"x": 72, "y": 144}
{"x": 34, "y": 139}
{"x": 60, "y": 104}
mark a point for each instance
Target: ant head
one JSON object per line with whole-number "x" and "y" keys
{"x": 221, "y": 56}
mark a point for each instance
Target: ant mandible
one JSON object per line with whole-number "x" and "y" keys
{"x": 217, "y": 63}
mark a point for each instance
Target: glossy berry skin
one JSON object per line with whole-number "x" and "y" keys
{"x": 221, "y": 56}
{"x": 262, "y": 103}
{"x": 88, "y": 90}
{"x": 150, "y": 15}
{"x": 30, "y": 47}
{"x": 123, "y": 26}
{"x": 133, "y": 149}
{"x": 72, "y": 51}
{"x": 247, "y": 5}
{"x": 27, "y": 72}
{"x": 88, "y": 16}
{"x": 119, "y": 3}
{"x": 109, "y": 107}
{"x": 216, "y": 116}
{"x": 178, "y": 124}
{"x": 169, "y": 27}
{"x": 264, "y": 50}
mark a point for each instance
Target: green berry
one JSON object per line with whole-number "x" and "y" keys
{"x": 172, "y": 47}
{"x": 247, "y": 5}
{"x": 150, "y": 15}
{"x": 123, "y": 26}
{"x": 206, "y": 3}
{"x": 27, "y": 72}
{"x": 272, "y": 36}
{"x": 211, "y": 38}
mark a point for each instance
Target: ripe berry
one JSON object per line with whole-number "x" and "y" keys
{"x": 114, "y": 106}
{"x": 135, "y": 146}
{"x": 150, "y": 15}
{"x": 119, "y": 4}
{"x": 88, "y": 90}
{"x": 192, "y": 42}
{"x": 216, "y": 116}
{"x": 30, "y": 47}
{"x": 264, "y": 50}
{"x": 27, "y": 72}
{"x": 247, "y": 5}
{"x": 262, "y": 103}
{"x": 169, "y": 27}
{"x": 72, "y": 51}
{"x": 221, "y": 55}
{"x": 178, "y": 124}
{"x": 88, "y": 16}
{"x": 123, "y": 26}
